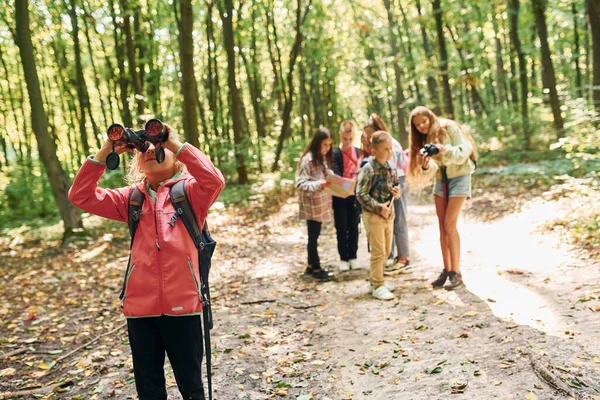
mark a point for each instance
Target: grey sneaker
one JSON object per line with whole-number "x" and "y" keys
{"x": 439, "y": 282}
{"x": 455, "y": 281}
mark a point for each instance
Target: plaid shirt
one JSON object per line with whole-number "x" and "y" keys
{"x": 315, "y": 203}
{"x": 374, "y": 187}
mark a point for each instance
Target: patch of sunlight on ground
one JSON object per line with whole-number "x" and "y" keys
{"x": 506, "y": 262}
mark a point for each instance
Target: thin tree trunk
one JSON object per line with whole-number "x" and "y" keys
{"x": 516, "y": 45}
{"x": 439, "y": 23}
{"x": 131, "y": 61}
{"x": 289, "y": 97}
{"x": 431, "y": 80}
{"x": 577, "y": 51}
{"x": 539, "y": 9}
{"x": 188, "y": 79}
{"x": 123, "y": 76}
{"x": 235, "y": 102}
{"x": 46, "y": 147}
{"x": 400, "y": 99}
{"x": 593, "y": 10}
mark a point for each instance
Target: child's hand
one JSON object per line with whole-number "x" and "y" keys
{"x": 396, "y": 192}
{"x": 173, "y": 142}
{"x": 385, "y": 211}
{"x": 441, "y": 147}
{"x": 425, "y": 162}
{"x": 107, "y": 148}
{"x": 325, "y": 183}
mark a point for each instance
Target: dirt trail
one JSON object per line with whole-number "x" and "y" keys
{"x": 526, "y": 296}
{"x": 277, "y": 335}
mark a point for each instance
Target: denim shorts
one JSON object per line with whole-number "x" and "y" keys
{"x": 457, "y": 187}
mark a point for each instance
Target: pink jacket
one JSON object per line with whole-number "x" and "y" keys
{"x": 163, "y": 276}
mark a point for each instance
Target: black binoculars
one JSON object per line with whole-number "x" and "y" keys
{"x": 429, "y": 149}
{"x": 154, "y": 132}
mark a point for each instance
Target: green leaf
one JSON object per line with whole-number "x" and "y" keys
{"x": 244, "y": 336}
{"x": 282, "y": 384}
{"x": 436, "y": 370}
{"x": 596, "y": 388}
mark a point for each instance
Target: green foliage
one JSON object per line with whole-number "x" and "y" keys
{"x": 27, "y": 195}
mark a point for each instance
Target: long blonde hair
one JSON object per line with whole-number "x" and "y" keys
{"x": 438, "y": 128}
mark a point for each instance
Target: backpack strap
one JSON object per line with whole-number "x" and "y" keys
{"x": 134, "y": 211}
{"x": 205, "y": 245}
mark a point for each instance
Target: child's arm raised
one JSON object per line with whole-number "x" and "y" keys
{"x": 208, "y": 181}
{"x": 87, "y": 195}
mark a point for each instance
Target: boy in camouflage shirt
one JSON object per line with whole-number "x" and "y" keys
{"x": 377, "y": 185}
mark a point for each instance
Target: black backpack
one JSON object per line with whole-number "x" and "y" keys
{"x": 203, "y": 242}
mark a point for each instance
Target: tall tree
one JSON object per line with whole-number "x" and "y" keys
{"x": 301, "y": 16}
{"x": 576, "y": 51}
{"x": 393, "y": 30}
{"x": 431, "y": 82}
{"x": 80, "y": 85}
{"x": 46, "y": 146}
{"x": 539, "y": 11}
{"x": 185, "y": 20}
{"x": 439, "y": 25}
{"x": 516, "y": 47}
{"x": 593, "y": 12}
{"x": 235, "y": 101}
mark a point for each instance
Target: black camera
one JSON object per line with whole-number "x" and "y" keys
{"x": 154, "y": 132}
{"x": 429, "y": 149}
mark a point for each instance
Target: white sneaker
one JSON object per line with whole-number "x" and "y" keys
{"x": 343, "y": 266}
{"x": 383, "y": 293}
{"x": 389, "y": 262}
{"x": 354, "y": 264}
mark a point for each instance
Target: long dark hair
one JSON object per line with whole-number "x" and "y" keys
{"x": 314, "y": 147}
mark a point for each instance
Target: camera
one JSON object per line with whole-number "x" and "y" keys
{"x": 429, "y": 149}
{"x": 154, "y": 132}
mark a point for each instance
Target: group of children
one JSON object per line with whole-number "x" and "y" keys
{"x": 382, "y": 170}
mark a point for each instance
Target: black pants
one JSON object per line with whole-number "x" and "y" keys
{"x": 181, "y": 338}
{"x": 346, "y": 217}
{"x": 314, "y": 230}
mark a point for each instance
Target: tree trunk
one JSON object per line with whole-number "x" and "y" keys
{"x": 46, "y": 147}
{"x": 188, "y": 79}
{"x": 131, "y": 61}
{"x": 577, "y": 52}
{"x": 539, "y": 9}
{"x": 593, "y": 10}
{"x": 516, "y": 45}
{"x": 80, "y": 85}
{"x": 235, "y": 102}
{"x": 123, "y": 76}
{"x": 400, "y": 99}
{"x": 439, "y": 23}
{"x": 289, "y": 97}
{"x": 431, "y": 80}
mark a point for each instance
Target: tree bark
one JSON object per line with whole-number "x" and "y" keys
{"x": 123, "y": 76}
{"x": 46, "y": 146}
{"x": 516, "y": 46}
{"x": 134, "y": 76}
{"x": 431, "y": 81}
{"x": 593, "y": 11}
{"x": 439, "y": 23}
{"x": 289, "y": 97}
{"x": 539, "y": 10}
{"x": 400, "y": 99}
{"x": 235, "y": 102}
{"x": 577, "y": 51}
{"x": 81, "y": 87}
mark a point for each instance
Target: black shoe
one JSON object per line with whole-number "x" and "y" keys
{"x": 439, "y": 282}
{"x": 455, "y": 281}
{"x": 318, "y": 273}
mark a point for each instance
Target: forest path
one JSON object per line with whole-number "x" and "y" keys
{"x": 526, "y": 295}
{"x": 278, "y": 335}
